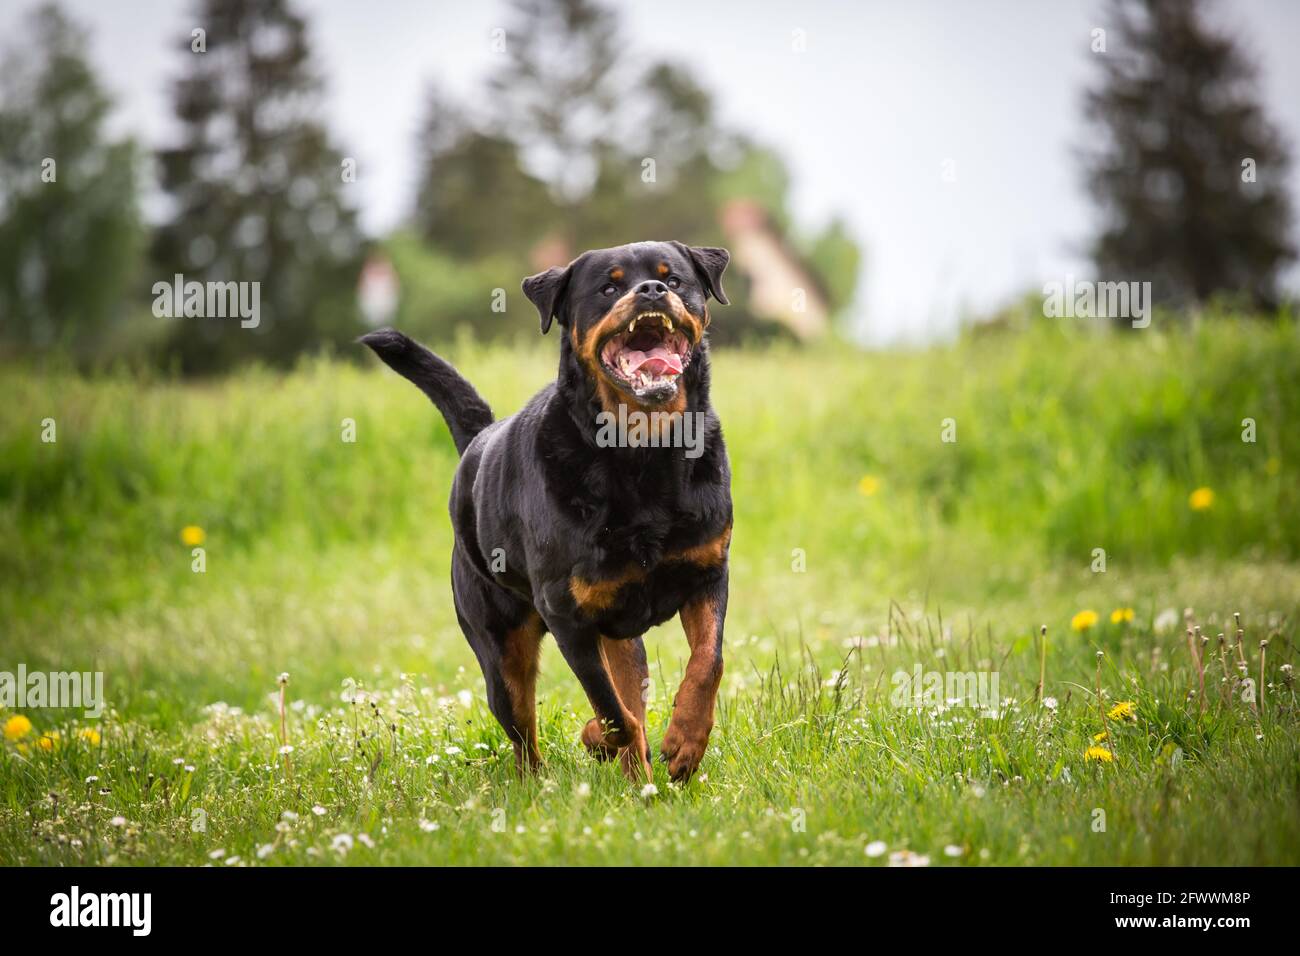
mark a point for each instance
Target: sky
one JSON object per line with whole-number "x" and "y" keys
{"x": 946, "y": 133}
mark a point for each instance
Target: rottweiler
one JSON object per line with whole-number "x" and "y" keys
{"x": 559, "y": 529}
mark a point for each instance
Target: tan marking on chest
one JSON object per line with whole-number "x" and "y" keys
{"x": 707, "y": 554}
{"x": 595, "y": 596}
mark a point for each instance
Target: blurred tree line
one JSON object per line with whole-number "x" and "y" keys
{"x": 251, "y": 192}
{"x": 572, "y": 144}
{"x": 576, "y": 140}
{"x": 576, "y": 144}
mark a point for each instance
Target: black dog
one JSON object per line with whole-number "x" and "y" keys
{"x": 595, "y": 541}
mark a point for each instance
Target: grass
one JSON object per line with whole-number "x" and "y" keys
{"x": 329, "y": 560}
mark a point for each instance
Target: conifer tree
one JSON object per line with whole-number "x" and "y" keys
{"x": 1190, "y": 173}
{"x": 257, "y": 190}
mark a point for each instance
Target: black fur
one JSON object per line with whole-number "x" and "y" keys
{"x": 537, "y": 486}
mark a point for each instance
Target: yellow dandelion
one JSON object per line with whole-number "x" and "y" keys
{"x": 1121, "y": 615}
{"x": 1098, "y": 753}
{"x": 1124, "y": 710}
{"x": 90, "y": 735}
{"x": 49, "y": 740}
{"x": 17, "y": 727}
{"x": 1099, "y": 737}
{"x": 192, "y": 536}
{"x": 1202, "y": 499}
{"x": 868, "y": 485}
{"x": 1083, "y": 620}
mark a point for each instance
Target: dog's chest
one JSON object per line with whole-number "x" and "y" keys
{"x": 642, "y": 543}
{"x": 651, "y": 537}
{"x": 648, "y": 575}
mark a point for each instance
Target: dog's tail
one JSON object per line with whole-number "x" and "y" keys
{"x": 463, "y": 408}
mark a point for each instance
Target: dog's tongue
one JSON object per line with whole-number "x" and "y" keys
{"x": 657, "y": 361}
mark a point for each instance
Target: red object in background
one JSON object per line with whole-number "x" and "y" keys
{"x": 378, "y": 290}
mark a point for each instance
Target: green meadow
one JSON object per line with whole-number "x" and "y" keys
{"x": 1086, "y": 472}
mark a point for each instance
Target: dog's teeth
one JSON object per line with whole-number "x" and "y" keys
{"x": 632, "y": 326}
{"x": 668, "y": 323}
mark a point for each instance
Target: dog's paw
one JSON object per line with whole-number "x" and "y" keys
{"x": 632, "y": 758}
{"x": 593, "y": 738}
{"x": 683, "y": 747}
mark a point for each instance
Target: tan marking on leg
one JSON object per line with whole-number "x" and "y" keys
{"x": 620, "y": 736}
{"x": 629, "y": 670}
{"x": 688, "y": 732}
{"x": 519, "y": 665}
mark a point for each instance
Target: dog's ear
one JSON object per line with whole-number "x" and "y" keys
{"x": 709, "y": 262}
{"x": 546, "y": 291}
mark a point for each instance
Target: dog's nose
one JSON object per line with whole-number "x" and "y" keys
{"x": 651, "y": 289}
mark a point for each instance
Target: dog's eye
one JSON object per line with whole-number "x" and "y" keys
{"x": 608, "y": 290}
{"x": 674, "y": 282}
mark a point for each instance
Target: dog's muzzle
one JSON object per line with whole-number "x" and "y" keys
{"x": 647, "y": 355}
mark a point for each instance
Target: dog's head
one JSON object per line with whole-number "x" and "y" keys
{"x": 635, "y": 315}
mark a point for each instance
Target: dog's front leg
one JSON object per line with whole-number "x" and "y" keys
{"x": 616, "y": 729}
{"x": 625, "y": 660}
{"x": 688, "y": 732}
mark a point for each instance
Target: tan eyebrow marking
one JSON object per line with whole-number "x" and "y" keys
{"x": 616, "y": 273}
{"x": 663, "y": 268}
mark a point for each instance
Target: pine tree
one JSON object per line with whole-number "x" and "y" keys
{"x": 1190, "y": 175}
{"x": 257, "y": 190}
{"x": 70, "y": 233}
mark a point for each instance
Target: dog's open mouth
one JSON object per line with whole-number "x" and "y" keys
{"x": 647, "y": 356}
